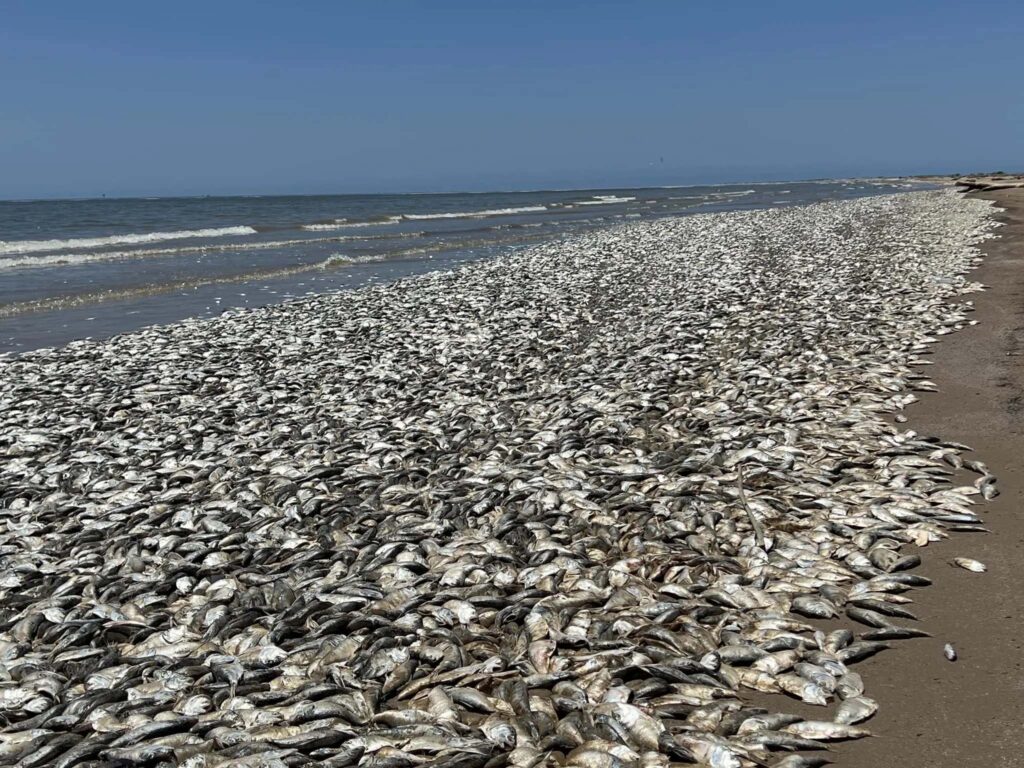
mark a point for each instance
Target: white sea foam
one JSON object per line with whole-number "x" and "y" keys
{"x": 71, "y": 259}
{"x": 66, "y": 259}
{"x": 606, "y": 200}
{"x": 475, "y": 214}
{"x": 734, "y": 194}
{"x": 346, "y": 224}
{"x": 36, "y": 246}
{"x": 342, "y": 260}
{"x": 335, "y": 260}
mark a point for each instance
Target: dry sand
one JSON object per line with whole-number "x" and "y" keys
{"x": 969, "y": 713}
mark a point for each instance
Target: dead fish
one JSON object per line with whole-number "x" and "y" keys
{"x": 801, "y": 761}
{"x": 867, "y": 616}
{"x": 987, "y": 486}
{"x": 814, "y": 607}
{"x": 569, "y": 504}
{"x": 970, "y": 565}
{"x": 822, "y": 730}
{"x": 855, "y": 709}
{"x": 893, "y": 633}
{"x": 139, "y": 755}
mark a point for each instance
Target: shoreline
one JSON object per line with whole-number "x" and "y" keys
{"x": 163, "y": 264}
{"x": 545, "y": 470}
{"x": 965, "y": 714}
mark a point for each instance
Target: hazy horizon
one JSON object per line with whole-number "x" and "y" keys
{"x": 129, "y": 100}
{"x": 455, "y": 192}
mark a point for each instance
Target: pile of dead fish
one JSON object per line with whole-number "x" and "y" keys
{"x": 574, "y": 506}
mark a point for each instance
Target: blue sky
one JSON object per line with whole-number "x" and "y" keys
{"x": 258, "y": 97}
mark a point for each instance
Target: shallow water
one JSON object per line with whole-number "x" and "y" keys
{"x": 72, "y": 269}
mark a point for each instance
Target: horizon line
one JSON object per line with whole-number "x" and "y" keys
{"x": 472, "y": 192}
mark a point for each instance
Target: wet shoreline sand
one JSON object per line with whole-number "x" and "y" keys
{"x": 932, "y": 712}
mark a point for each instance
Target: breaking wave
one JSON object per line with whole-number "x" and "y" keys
{"x": 35, "y": 246}
{"x": 606, "y": 200}
{"x": 734, "y": 194}
{"x": 475, "y": 214}
{"x": 72, "y": 259}
{"x": 346, "y": 224}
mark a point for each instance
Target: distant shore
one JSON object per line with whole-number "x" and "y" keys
{"x": 977, "y": 182}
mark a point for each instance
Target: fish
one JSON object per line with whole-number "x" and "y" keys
{"x": 855, "y": 709}
{"x": 821, "y": 730}
{"x": 567, "y": 505}
{"x": 801, "y": 761}
{"x": 970, "y": 565}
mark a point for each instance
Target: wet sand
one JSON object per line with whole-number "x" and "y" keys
{"x": 969, "y": 713}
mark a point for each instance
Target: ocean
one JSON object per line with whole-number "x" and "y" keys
{"x": 73, "y": 269}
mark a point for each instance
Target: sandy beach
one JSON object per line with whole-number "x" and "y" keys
{"x": 640, "y": 496}
{"x": 968, "y": 713}
{"x": 496, "y": 385}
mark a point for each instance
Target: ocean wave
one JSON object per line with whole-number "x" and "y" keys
{"x": 70, "y": 301}
{"x": 74, "y": 259}
{"x": 35, "y": 246}
{"x": 346, "y": 224}
{"x": 734, "y": 194}
{"x": 475, "y": 214}
{"x": 335, "y": 260}
{"x": 524, "y": 225}
{"x": 344, "y": 260}
{"x": 332, "y": 262}
{"x": 606, "y": 200}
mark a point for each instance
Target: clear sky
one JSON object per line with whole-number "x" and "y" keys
{"x": 218, "y": 97}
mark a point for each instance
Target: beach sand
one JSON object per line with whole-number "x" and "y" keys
{"x": 362, "y": 426}
{"x": 969, "y": 713}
